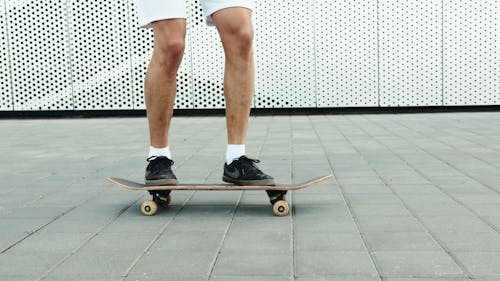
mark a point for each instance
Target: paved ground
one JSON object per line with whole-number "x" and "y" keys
{"x": 416, "y": 197}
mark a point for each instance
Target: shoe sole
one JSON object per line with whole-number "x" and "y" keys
{"x": 161, "y": 182}
{"x": 269, "y": 182}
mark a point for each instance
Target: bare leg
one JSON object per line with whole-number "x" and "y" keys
{"x": 160, "y": 82}
{"x": 236, "y": 31}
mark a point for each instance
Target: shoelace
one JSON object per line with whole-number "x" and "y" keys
{"x": 160, "y": 162}
{"x": 249, "y": 162}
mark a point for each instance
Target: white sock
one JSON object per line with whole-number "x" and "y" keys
{"x": 234, "y": 151}
{"x": 153, "y": 151}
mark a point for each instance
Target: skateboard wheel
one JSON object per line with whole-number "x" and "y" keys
{"x": 281, "y": 208}
{"x": 149, "y": 208}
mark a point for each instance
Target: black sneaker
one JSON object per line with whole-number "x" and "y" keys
{"x": 159, "y": 171}
{"x": 243, "y": 171}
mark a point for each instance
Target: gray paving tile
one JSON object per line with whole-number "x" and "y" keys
{"x": 83, "y": 276}
{"x": 326, "y": 241}
{"x": 390, "y": 224}
{"x": 424, "y": 209}
{"x": 14, "y": 263}
{"x": 471, "y": 241}
{"x": 416, "y": 263}
{"x": 10, "y": 239}
{"x": 260, "y": 220}
{"x": 303, "y": 210}
{"x": 249, "y": 278}
{"x": 324, "y": 263}
{"x": 29, "y": 212}
{"x": 365, "y": 188}
{"x": 188, "y": 241}
{"x": 480, "y": 263}
{"x": 413, "y": 180}
{"x": 429, "y": 279}
{"x": 360, "y": 180}
{"x": 459, "y": 224}
{"x": 485, "y": 210}
{"x": 401, "y": 241}
{"x": 371, "y": 155}
{"x": 51, "y": 242}
{"x": 336, "y": 278}
{"x": 305, "y": 198}
{"x": 326, "y": 224}
{"x": 250, "y": 263}
{"x": 371, "y": 210}
{"x": 355, "y": 199}
{"x": 259, "y": 242}
{"x": 177, "y": 265}
{"x": 102, "y": 262}
{"x": 436, "y": 198}
{"x": 490, "y": 198}
{"x": 494, "y": 220}
{"x": 422, "y": 189}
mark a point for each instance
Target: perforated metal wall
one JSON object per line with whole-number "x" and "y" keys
{"x": 5, "y": 93}
{"x": 346, "y": 53}
{"x": 142, "y": 50}
{"x": 39, "y": 60}
{"x": 410, "y": 53}
{"x": 207, "y": 62}
{"x": 91, "y": 55}
{"x": 100, "y": 54}
{"x": 284, "y": 47}
{"x": 471, "y": 52}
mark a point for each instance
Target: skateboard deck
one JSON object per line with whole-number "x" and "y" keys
{"x": 160, "y": 197}
{"x": 131, "y": 185}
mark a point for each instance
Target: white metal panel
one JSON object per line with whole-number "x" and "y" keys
{"x": 142, "y": 50}
{"x": 100, "y": 54}
{"x": 284, "y": 50}
{"x": 5, "y": 92}
{"x": 208, "y": 60}
{"x": 39, "y": 55}
{"x": 65, "y": 55}
{"x": 410, "y": 52}
{"x": 471, "y": 52}
{"x": 346, "y": 53}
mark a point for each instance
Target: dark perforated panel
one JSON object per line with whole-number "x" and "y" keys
{"x": 100, "y": 54}
{"x": 39, "y": 55}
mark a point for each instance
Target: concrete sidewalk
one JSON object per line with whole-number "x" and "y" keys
{"x": 415, "y": 197}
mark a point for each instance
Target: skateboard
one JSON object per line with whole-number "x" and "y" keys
{"x": 161, "y": 194}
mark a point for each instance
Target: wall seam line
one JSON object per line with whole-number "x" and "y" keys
{"x": 11, "y": 84}
{"x": 442, "y": 52}
{"x": 315, "y": 53}
{"x": 130, "y": 54}
{"x": 69, "y": 52}
{"x": 378, "y": 54}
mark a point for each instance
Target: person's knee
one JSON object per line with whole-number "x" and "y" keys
{"x": 240, "y": 39}
{"x": 171, "y": 50}
{"x": 245, "y": 37}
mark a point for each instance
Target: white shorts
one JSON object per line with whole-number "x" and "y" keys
{"x": 154, "y": 10}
